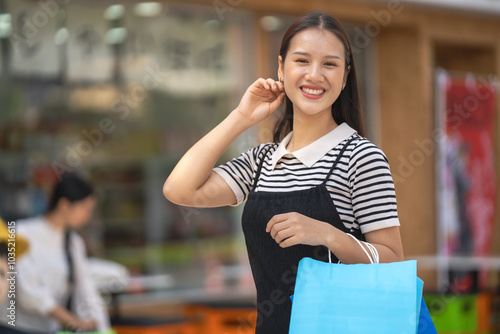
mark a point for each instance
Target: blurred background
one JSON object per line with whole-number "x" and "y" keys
{"x": 119, "y": 90}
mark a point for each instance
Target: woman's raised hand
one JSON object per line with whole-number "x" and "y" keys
{"x": 193, "y": 181}
{"x": 261, "y": 99}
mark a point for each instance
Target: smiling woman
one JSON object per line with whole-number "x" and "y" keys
{"x": 320, "y": 181}
{"x": 314, "y": 79}
{"x": 332, "y": 52}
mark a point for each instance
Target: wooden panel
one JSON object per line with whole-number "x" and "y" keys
{"x": 407, "y": 120}
{"x": 406, "y": 123}
{"x": 462, "y": 29}
{"x": 462, "y": 58}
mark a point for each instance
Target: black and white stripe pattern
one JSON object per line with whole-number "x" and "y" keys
{"x": 361, "y": 185}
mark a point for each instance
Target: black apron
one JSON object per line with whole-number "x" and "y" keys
{"x": 274, "y": 268}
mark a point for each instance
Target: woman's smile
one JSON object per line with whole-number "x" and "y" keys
{"x": 312, "y": 92}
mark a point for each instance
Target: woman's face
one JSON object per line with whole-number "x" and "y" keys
{"x": 313, "y": 71}
{"x": 80, "y": 212}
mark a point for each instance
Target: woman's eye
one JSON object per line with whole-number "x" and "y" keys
{"x": 330, "y": 64}
{"x": 301, "y": 61}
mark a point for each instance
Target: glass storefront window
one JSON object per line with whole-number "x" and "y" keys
{"x": 119, "y": 92}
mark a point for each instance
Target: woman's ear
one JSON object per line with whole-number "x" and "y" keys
{"x": 280, "y": 67}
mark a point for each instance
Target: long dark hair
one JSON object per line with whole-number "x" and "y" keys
{"x": 347, "y": 107}
{"x": 72, "y": 187}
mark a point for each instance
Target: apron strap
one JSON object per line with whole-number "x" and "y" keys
{"x": 337, "y": 160}
{"x": 259, "y": 168}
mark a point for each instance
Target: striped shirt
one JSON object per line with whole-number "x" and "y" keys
{"x": 361, "y": 186}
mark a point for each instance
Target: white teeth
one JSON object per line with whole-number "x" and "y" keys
{"x": 313, "y": 91}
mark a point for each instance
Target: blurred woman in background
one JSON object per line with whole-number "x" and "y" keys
{"x": 54, "y": 288}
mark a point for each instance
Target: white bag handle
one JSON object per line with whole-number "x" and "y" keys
{"x": 374, "y": 258}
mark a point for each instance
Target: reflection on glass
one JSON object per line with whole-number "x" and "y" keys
{"x": 114, "y": 12}
{"x": 126, "y": 91}
{"x": 148, "y": 9}
{"x": 5, "y": 25}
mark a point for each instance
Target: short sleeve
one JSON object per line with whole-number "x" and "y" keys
{"x": 372, "y": 188}
{"x": 239, "y": 172}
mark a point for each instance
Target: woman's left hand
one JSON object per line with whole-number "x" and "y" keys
{"x": 293, "y": 228}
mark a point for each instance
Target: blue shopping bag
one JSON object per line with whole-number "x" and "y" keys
{"x": 379, "y": 298}
{"x": 425, "y": 323}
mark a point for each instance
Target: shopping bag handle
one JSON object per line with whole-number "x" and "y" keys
{"x": 373, "y": 256}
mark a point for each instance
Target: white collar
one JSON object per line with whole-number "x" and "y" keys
{"x": 313, "y": 152}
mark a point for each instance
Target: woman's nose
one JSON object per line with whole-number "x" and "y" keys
{"x": 314, "y": 73}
